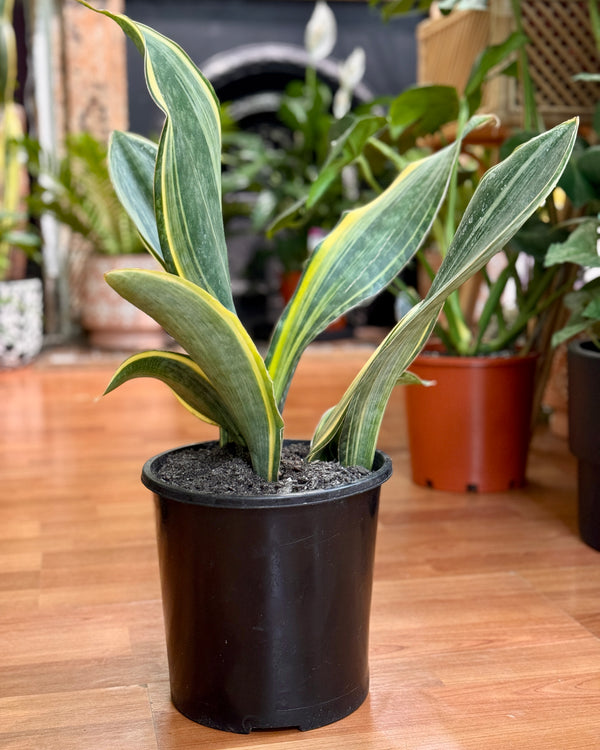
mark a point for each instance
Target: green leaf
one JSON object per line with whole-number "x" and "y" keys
{"x": 345, "y": 149}
{"x": 188, "y": 382}
{"x": 217, "y": 342}
{"x": 584, "y": 305}
{"x": 424, "y": 109}
{"x": 589, "y": 165}
{"x": 360, "y": 257}
{"x": 487, "y": 63}
{"x": 575, "y": 180}
{"x": 131, "y": 161}
{"x": 580, "y": 247}
{"x": 591, "y": 77}
{"x": 187, "y": 182}
{"x": 506, "y": 195}
{"x": 535, "y": 237}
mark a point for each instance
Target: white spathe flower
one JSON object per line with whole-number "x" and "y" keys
{"x": 321, "y": 32}
{"x": 352, "y": 69}
{"x": 342, "y": 101}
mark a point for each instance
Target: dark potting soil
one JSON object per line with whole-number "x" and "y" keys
{"x": 227, "y": 470}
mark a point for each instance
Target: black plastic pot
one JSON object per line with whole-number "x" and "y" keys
{"x": 267, "y": 601}
{"x": 584, "y": 434}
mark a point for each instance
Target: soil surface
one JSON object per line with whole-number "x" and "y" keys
{"x": 226, "y": 470}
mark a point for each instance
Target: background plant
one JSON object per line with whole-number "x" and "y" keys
{"x": 16, "y": 231}
{"x": 76, "y": 189}
{"x": 222, "y": 377}
{"x": 578, "y": 248}
{"x": 269, "y": 170}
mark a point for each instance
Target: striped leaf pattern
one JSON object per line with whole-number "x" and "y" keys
{"x": 360, "y": 257}
{"x": 218, "y": 344}
{"x": 187, "y": 381}
{"x": 131, "y": 161}
{"x": 187, "y": 176}
{"x": 506, "y": 196}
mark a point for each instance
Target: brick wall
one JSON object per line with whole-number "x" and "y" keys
{"x": 94, "y": 70}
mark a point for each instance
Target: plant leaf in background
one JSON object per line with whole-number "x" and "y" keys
{"x": 217, "y": 342}
{"x": 345, "y": 149}
{"x": 584, "y": 306}
{"x": 491, "y": 60}
{"x": 580, "y": 248}
{"x": 187, "y": 182}
{"x": 424, "y": 109}
{"x": 77, "y": 190}
{"x": 507, "y": 194}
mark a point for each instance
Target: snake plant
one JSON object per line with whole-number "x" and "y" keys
{"x": 172, "y": 191}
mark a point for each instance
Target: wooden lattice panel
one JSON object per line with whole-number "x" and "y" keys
{"x": 562, "y": 45}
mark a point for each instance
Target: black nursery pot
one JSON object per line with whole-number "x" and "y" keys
{"x": 584, "y": 434}
{"x": 267, "y": 601}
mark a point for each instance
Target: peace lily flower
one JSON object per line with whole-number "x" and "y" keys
{"x": 351, "y": 72}
{"x": 320, "y": 34}
{"x": 342, "y": 101}
{"x": 352, "y": 69}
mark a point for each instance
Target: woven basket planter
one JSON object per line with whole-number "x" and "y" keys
{"x": 562, "y": 45}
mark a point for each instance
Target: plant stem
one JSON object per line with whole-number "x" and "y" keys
{"x": 595, "y": 20}
{"x": 397, "y": 159}
{"x": 458, "y": 330}
{"x": 531, "y": 118}
{"x": 367, "y": 173}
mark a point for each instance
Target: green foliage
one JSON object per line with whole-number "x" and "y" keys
{"x": 276, "y": 167}
{"x": 222, "y": 377}
{"x": 15, "y": 228}
{"x": 565, "y": 244}
{"x": 580, "y": 248}
{"x": 77, "y": 190}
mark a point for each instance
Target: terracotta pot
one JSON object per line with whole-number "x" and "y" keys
{"x": 267, "y": 601}
{"x": 584, "y": 435}
{"x": 470, "y": 431}
{"x": 109, "y": 320}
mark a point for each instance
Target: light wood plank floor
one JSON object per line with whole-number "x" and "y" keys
{"x": 486, "y": 609}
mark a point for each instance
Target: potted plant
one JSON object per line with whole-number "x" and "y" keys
{"x": 493, "y": 342}
{"x": 582, "y": 331}
{"x": 266, "y": 590}
{"x": 20, "y": 298}
{"x": 76, "y": 189}
{"x": 496, "y": 333}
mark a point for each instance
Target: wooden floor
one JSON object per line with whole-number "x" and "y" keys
{"x": 486, "y": 609}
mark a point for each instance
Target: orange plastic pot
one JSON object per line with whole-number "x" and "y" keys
{"x": 471, "y": 430}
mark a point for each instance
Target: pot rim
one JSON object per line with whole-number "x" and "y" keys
{"x": 27, "y": 281}
{"x": 499, "y": 359}
{"x": 584, "y": 348}
{"x": 381, "y": 473}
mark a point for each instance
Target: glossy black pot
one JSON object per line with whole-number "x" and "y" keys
{"x": 267, "y": 601}
{"x": 584, "y": 434}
